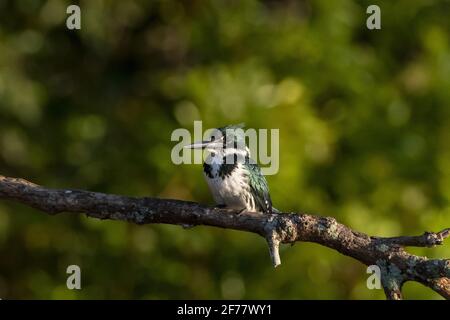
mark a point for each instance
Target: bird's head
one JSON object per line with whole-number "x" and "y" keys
{"x": 221, "y": 140}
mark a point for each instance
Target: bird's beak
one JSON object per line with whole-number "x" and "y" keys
{"x": 198, "y": 145}
{"x": 205, "y": 144}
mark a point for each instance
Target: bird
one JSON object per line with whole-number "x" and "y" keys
{"x": 233, "y": 177}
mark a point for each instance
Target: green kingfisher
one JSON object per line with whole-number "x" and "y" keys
{"x": 235, "y": 180}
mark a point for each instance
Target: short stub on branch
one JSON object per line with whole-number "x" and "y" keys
{"x": 274, "y": 248}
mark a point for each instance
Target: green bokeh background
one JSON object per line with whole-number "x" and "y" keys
{"x": 364, "y": 119}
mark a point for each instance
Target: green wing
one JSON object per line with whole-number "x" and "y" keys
{"x": 259, "y": 188}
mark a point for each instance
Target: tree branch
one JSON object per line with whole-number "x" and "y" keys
{"x": 397, "y": 266}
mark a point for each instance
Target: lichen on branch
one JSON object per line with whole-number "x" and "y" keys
{"x": 397, "y": 266}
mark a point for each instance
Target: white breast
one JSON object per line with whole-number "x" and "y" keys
{"x": 232, "y": 190}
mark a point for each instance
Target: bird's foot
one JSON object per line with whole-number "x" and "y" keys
{"x": 224, "y": 206}
{"x": 242, "y": 210}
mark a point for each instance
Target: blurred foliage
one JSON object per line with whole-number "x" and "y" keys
{"x": 364, "y": 120}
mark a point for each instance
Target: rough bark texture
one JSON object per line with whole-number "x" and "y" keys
{"x": 397, "y": 266}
